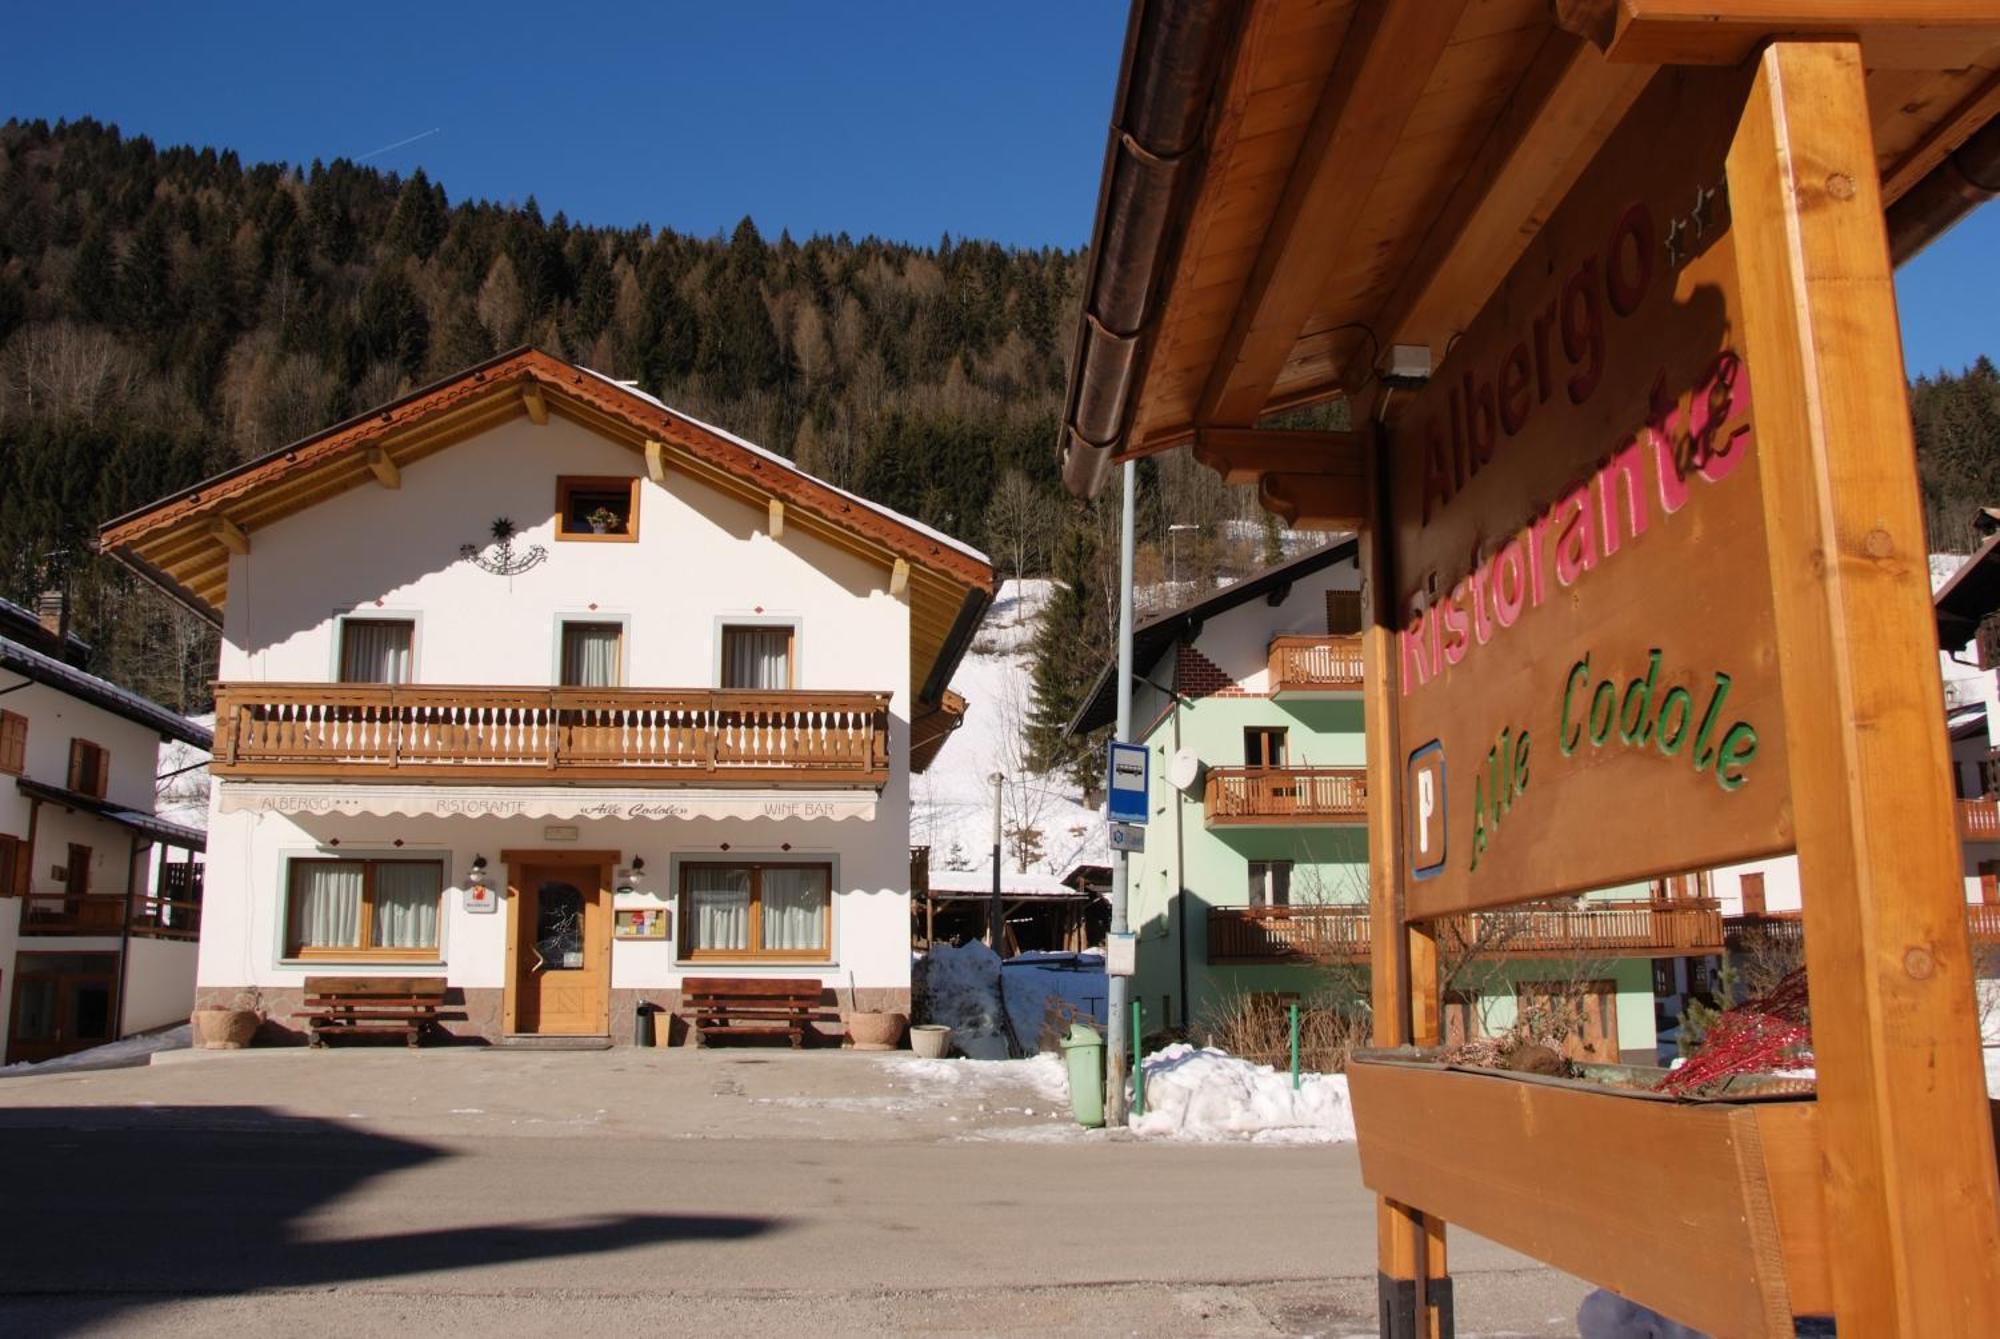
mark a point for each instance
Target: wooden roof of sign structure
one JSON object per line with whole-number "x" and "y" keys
{"x": 182, "y": 543}
{"x": 1291, "y": 187}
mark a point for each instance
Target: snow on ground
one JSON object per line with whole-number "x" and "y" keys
{"x": 1042, "y": 1074}
{"x": 115, "y": 1055}
{"x": 952, "y": 802}
{"x": 961, "y": 987}
{"x": 1208, "y": 1096}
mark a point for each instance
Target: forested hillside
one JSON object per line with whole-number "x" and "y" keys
{"x": 165, "y": 313}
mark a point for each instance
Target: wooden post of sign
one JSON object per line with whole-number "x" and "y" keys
{"x": 1913, "y": 1233}
{"x": 1412, "y": 1277}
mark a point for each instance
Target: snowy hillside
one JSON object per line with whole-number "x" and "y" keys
{"x": 952, "y": 804}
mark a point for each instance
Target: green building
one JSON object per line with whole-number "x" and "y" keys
{"x": 1255, "y": 874}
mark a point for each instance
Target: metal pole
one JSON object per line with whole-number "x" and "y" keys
{"x": 1295, "y": 1048}
{"x": 996, "y": 917}
{"x": 1138, "y": 1060}
{"x": 1115, "y": 1042}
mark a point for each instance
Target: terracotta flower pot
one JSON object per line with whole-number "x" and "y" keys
{"x": 223, "y": 1029}
{"x": 932, "y": 1041}
{"x": 871, "y": 1031}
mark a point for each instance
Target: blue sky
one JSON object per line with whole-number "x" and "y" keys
{"x": 906, "y": 120}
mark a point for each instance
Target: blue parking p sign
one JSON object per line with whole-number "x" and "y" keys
{"x": 1125, "y": 783}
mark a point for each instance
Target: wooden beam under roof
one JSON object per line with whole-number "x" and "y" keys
{"x": 1567, "y": 101}
{"x": 1384, "y": 65}
{"x": 538, "y": 408}
{"x": 1315, "y": 501}
{"x": 383, "y": 468}
{"x": 656, "y": 460}
{"x": 1918, "y": 34}
{"x": 1240, "y": 455}
{"x": 229, "y": 534}
{"x": 776, "y": 513}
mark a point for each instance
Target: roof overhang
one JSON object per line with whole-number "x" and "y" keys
{"x": 1360, "y": 175}
{"x": 183, "y": 543}
{"x": 148, "y": 826}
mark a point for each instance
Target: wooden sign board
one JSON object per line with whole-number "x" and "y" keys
{"x": 1586, "y": 676}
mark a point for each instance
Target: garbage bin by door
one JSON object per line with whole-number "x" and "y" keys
{"x": 645, "y": 1032}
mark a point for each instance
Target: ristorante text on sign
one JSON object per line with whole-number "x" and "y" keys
{"x": 1586, "y": 681}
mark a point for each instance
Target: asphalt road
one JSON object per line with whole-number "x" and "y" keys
{"x": 218, "y": 1215}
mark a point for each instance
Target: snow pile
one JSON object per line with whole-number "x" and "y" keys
{"x": 962, "y": 985}
{"x": 114, "y": 1055}
{"x": 961, "y": 988}
{"x": 1041, "y": 1074}
{"x": 1206, "y": 1095}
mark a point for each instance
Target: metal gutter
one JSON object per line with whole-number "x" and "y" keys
{"x": 1950, "y": 191}
{"x": 1167, "y": 84}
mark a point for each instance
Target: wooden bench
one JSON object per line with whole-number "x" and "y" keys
{"x": 730, "y": 1006}
{"x": 349, "y": 1006}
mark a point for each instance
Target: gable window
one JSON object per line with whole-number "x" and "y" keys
{"x": 362, "y": 908}
{"x": 597, "y": 508}
{"x": 1270, "y": 883}
{"x": 757, "y": 656}
{"x": 89, "y": 768}
{"x": 13, "y": 742}
{"x": 1264, "y": 746}
{"x": 592, "y": 655}
{"x": 376, "y": 650}
{"x": 756, "y": 910}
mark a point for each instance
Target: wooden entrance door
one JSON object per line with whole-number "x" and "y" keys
{"x": 1588, "y": 1009}
{"x": 63, "y": 1002}
{"x": 562, "y": 949}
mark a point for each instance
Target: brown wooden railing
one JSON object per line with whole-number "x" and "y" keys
{"x": 1979, "y": 820}
{"x": 166, "y": 918}
{"x": 1781, "y": 929}
{"x": 1249, "y": 935}
{"x": 68, "y": 914}
{"x": 1315, "y": 664}
{"x": 422, "y": 732}
{"x": 105, "y": 915}
{"x": 1285, "y": 795}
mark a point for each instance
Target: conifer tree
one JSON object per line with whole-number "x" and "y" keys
{"x": 1070, "y": 651}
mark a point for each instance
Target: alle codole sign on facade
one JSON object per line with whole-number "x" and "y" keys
{"x": 1587, "y": 681}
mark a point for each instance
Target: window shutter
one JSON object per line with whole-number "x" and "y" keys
{"x": 13, "y": 742}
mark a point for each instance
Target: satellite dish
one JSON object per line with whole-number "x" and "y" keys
{"x": 1185, "y": 770}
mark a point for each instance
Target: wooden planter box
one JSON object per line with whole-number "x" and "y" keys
{"x": 1707, "y": 1211}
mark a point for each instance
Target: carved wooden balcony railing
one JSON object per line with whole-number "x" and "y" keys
{"x": 1339, "y": 933}
{"x": 1307, "y": 666}
{"x": 1979, "y": 820}
{"x": 1285, "y": 796}
{"x": 488, "y": 736}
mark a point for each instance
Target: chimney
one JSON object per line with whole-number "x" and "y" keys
{"x": 53, "y": 614}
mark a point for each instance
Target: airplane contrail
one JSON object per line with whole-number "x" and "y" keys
{"x": 434, "y": 130}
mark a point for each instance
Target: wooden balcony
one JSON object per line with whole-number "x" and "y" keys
{"x": 105, "y": 916}
{"x": 1305, "y": 667}
{"x": 1786, "y": 929}
{"x": 1255, "y": 936}
{"x": 522, "y": 736}
{"x": 1285, "y": 796}
{"x": 1979, "y": 820}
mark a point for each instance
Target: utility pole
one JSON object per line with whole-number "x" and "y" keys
{"x": 996, "y": 917}
{"x": 1120, "y": 987}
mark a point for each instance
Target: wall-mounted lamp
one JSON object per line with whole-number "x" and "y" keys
{"x": 477, "y": 878}
{"x": 638, "y": 864}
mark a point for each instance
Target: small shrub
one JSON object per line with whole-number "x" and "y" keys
{"x": 1258, "y": 1027}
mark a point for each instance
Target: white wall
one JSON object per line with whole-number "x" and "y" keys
{"x": 10, "y": 920}
{"x": 699, "y": 558}
{"x": 159, "y": 984}
{"x": 243, "y": 929}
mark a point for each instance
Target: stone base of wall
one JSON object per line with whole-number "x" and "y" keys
{"x": 474, "y": 1014}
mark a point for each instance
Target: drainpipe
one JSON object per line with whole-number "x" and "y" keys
{"x": 1180, "y": 870}
{"x": 125, "y": 935}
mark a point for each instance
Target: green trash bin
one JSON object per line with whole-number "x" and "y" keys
{"x": 1083, "y": 1055}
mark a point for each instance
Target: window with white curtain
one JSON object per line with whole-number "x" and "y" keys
{"x": 756, "y": 656}
{"x": 376, "y": 650}
{"x": 592, "y": 654}
{"x": 363, "y": 908}
{"x": 757, "y": 910}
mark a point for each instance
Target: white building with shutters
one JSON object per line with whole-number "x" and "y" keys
{"x": 532, "y": 683}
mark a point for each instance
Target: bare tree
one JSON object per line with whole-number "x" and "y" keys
{"x": 1017, "y": 523}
